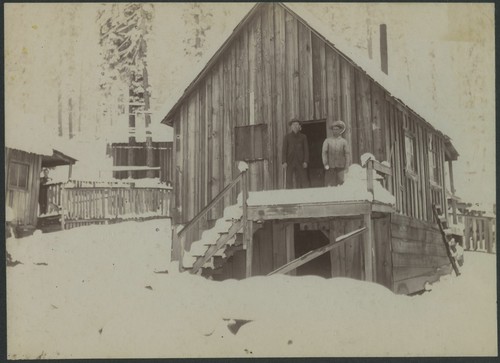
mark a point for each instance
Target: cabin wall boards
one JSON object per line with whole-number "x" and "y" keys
{"x": 276, "y": 67}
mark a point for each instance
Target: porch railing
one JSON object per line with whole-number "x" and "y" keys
{"x": 479, "y": 233}
{"x": 81, "y": 203}
{"x": 192, "y": 231}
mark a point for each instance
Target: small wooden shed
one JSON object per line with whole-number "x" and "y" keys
{"x": 23, "y": 166}
{"x": 274, "y": 67}
{"x": 135, "y": 154}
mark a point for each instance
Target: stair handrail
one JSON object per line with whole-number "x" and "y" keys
{"x": 216, "y": 199}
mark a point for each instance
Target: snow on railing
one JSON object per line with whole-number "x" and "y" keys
{"x": 101, "y": 201}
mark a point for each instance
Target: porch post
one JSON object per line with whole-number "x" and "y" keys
{"x": 290, "y": 244}
{"x": 452, "y": 189}
{"x": 249, "y": 244}
{"x": 368, "y": 247}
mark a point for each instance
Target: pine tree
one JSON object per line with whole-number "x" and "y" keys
{"x": 124, "y": 32}
{"x": 200, "y": 20}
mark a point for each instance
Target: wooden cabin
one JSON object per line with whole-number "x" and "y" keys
{"x": 22, "y": 186}
{"x": 275, "y": 67}
{"x": 135, "y": 154}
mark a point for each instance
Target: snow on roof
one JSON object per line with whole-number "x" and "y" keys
{"x": 391, "y": 84}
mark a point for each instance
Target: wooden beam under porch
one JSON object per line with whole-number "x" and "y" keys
{"x": 260, "y": 213}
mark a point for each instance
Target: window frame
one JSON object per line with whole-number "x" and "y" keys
{"x": 240, "y": 153}
{"x": 19, "y": 164}
{"x": 434, "y": 177}
{"x": 413, "y": 172}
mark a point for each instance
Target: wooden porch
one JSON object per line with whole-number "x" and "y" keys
{"x": 265, "y": 233}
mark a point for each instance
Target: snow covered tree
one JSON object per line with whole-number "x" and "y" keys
{"x": 200, "y": 20}
{"x": 124, "y": 33}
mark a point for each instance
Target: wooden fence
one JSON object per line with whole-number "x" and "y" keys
{"x": 479, "y": 234}
{"x": 81, "y": 203}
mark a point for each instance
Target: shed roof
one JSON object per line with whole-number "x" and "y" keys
{"x": 56, "y": 159}
{"x": 324, "y": 33}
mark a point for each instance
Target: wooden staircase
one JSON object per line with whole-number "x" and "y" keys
{"x": 215, "y": 246}
{"x": 206, "y": 250}
{"x": 442, "y": 223}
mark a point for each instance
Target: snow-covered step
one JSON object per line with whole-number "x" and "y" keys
{"x": 233, "y": 212}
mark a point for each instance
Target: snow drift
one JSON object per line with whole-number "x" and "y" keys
{"x": 111, "y": 292}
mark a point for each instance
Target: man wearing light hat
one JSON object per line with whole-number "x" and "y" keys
{"x": 295, "y": 156}
{"x": 336, "y": 155}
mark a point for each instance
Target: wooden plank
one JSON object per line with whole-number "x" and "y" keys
{"x": 203, "y": 186}
{"x": 279, "y": 245}
{"x": 268, "y": 95}
{"x": 291, "y": 67}
{"x": 353, "y": 250}
{"x": 248, "y": 238}
{"x": 337, "y": 254}
{"x": 404, "y": 273}
{"x": 416, "y": 234}
{"x": 378, "y": 125}
{"x": 491, "y": 239}
{"x": 280, "y": 103}
{"x": 398, "y": 152}
{"x": 228, "y": 126}
{"x": 389, "y": 142}
{"x": 290, "y": 244}
{"x": 183, "y": 164}
{"x": 266, "y": 249}
{"x": 294, "y": 264}
{"x": 427, "y": 186}
{"x": 217, "y": 135}
{"x": 364, "y": 114}
{"x": 315, "y": 210}
{"x": 306, "y": 110}
{"x": 368, "y": 247}
{"x": 480, "y": 233}
{"x": 443, "y": 178}
{"x": 417, "y": 247}
{"x": 421, "y": 154}
{"x": 349, "y": 107}
{"x": 383, "y": 252}
{"x": 415, "y": 260}
{"x": 377, "y": 166}
{"x": 190, "y": 196}
{"x": 318, "y": 77}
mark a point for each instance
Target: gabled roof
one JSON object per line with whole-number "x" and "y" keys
{"x": 325, "y": 34}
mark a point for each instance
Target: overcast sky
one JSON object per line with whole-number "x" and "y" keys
{"x": 441, "y": 57}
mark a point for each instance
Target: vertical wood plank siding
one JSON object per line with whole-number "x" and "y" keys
{"x": 24, "y": 202}
{"x": 277, "y": 68}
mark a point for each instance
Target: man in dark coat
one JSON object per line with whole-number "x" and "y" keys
{"x": 295, "y": 156}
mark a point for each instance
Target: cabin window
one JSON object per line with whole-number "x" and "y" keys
{"x": 251, "y": 142}
{"x": 411, "y": 164}
{"x": 18, "y": 175}
{"x": 433, "y": 161}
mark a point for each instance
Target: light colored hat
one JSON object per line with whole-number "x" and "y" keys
{"x": 340, "y": 124}
{"x": 292, "y": 121}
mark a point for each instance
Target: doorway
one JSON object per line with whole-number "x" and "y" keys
{"x": 306, "y": 241}
{"x": 316, "y": 134}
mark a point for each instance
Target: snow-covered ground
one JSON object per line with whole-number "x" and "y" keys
{"x": 103, "y": 292}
